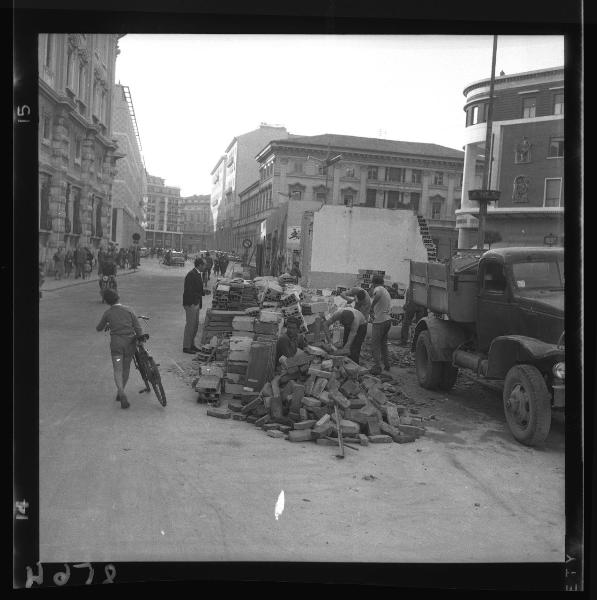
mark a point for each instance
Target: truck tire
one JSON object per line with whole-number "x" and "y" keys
{"x": 448, "y": 378}
{"x": 429, "y": 372}
{"x": 527, "y": 405}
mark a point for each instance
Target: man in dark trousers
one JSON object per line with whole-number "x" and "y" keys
{"x": 192, "y": 300}
{"x": 208, "y": 265}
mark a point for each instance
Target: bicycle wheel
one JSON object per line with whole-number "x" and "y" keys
{"x": 141, "y": 365}
{"x": 156, "y": 382}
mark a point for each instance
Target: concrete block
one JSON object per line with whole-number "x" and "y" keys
{"x": 319, "y": 386}
{"x": 247, "y": 408}
{"x": 303, "y": 414}
{"x": 316, "y": 412}
{"x": 324, "y": 397}
{"x": 285, "y": 428}
{"x": 403, "y": 438}
{"x": 260, "y": 411}
{"x": 392, "y": 415}
{"x": 363, "y": 439}
{"x": 294, "y": 416}
{"x": 309, "y": 402}
{"x": 380, "y": 439}
{"x": 275, "y": 433}
{"x": 369, "y": 381}
{"x": 305, "y": 424}
{"x": 276, "y": 408}
{"x": 357, "y": 402}
{"x": 239, "y": 417}
{"x": 219, "y": 413}
{"x": 349, "y": 427}
{"x": 309, "y": 385}
{"x": 340, "y": 399}
{"x": 350, "y": 388}
{"x": 300, "y": 435}
{"x": 235, "y": 405}
{"x": 271, "y": 426}
{"x": 251, "y": 419}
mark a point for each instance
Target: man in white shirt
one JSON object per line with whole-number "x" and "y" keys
{"x": 380, "y": 310}
{"x": 355, "y": 330}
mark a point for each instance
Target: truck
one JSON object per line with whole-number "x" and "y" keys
{"x": 498, "y": 315}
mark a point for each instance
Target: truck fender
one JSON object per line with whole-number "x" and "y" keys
{"x": 446, "y": 336}
{"x": 509, "y": 350}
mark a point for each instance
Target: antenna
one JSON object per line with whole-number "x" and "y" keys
{"x": 381, "y": 132}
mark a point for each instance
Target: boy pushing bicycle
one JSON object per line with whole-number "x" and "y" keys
{"x": 124, "y": 332}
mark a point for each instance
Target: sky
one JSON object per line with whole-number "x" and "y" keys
{"x": 192, "y": 94}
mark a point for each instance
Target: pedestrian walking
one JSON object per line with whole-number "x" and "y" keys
{"x": 192, "y": 301}
{"x": 80, "y": 260}
{"x": 223, "y": 265}
{"x": 411, "y": 312}
{"x": 380, "y": 310}
{"x": 124, "y": 330}
{"x": 59, "y": 264}
{"x": 216, "y": 266}
{"x": 209, "y": 263}
{"x": 88, "y": 265}
{"x": 69, "y": 262}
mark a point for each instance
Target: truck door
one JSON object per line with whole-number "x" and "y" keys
{"x": 494, "y": 310}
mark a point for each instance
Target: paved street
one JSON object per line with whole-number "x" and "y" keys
{"x": 171, "y": 484}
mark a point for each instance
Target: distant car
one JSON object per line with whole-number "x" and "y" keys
{"x": 175, "y": 259}
{"x": 143, "y": 252}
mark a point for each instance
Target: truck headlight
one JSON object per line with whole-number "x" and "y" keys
{"x": 559, "y": 370}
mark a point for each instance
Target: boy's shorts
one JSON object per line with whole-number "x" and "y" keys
{"x": 122, "y": 346}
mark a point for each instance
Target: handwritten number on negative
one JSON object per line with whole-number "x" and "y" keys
{"x": 31, "y": 579}
{"x": 62, "y": 577}
{"x": 110, "y": 571}
{"x": 82, "y": 566}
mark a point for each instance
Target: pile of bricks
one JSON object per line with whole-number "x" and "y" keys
{"x": 234, "y": 295}
{"x": 365, "y": 275}
{"x": 218, "y": 323}
{"x": 300, "y": 404}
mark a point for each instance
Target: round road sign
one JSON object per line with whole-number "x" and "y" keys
{"x": 247, "y": 243}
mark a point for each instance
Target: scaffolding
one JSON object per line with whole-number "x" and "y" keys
{"x": 129, "y": 100}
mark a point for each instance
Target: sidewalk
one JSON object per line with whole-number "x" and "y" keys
{"x": 51, "y": 285}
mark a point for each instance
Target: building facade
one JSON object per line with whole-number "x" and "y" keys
{"x": 129, "y": 187}
{"x": 164, "y": 218}
{"x": 197, "y": 223}
{"x": 77, "y": 152}
{"x": 234, "y": 171}
{"x": 527, "y": 158}
{"x": 392, "y": 175}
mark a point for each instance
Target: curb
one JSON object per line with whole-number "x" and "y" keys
{"x": 54, "y": 289}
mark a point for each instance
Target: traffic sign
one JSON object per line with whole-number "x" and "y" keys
{"x": 247, "y": 243}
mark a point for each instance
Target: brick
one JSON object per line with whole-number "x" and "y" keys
{"x": 323, "y": 421}
{"x": 316, "y": 412}
{"x": 349, "y": 427}
{"x": 271, "y": 426}
{"x": 235, "y": 405}
{"x": 357, "y": 416}
{"x": 309, "y": 385}
{"x": 401, "y": 409}
{"x": 219, "y": 413}
{"x": 305, "y": 424}
{"x": 363, "y": 439}
{"x": 298, "y": 393}
{"x": 300, "y": 435}
{"x": 333, "y": 385}
{"x": 294, "y": 416}
{"x": 260, "y": 411}
{"x": 340, "y": 399}
{"x": 251, "y": 419}
{"x": 276, "y": 408}
{"x": 303, "y": 414}
{"x": 324, "y": 397}
{"x": 411, "y": 430}
{"x": 372, "y": 426}
{"x": 285, "y": 428}
{"x": 357, "y": 402}
{"x": 319, "y": 373}
{"x": 275, "y": 434}
{"x": 350, "y": 388}
{"x": 380, "y": 439}
{"x": 247, "y": 408}
{"x": 369, "y": 381}
{"x": 405, "y": 439}
{"x": 262, "y": 420}
{"x": 319, "y": 386}
{"x": 309, "y": 402}
{"x": 239, "y": 417}
{"x": 392, "y": 415}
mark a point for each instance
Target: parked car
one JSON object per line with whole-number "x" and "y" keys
{"x": 174, "y": 259}
{"x": 143, "y": 252}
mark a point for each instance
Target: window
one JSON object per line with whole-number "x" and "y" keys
{"x": 372, "y": 172}
{"x": 47, "y": 127}
{"x": 415, "y": 199}
{"x": 395, "y": 199}
{"x": 415, "y": 176}
{"x": 45, "y": 220}
{"x": 494, "y": 280}
{"x": 321, "y": 196}
{"x": 322, "y": 169}
{"x": 475, "y": 115}
{"x": 395, "y": 174}
{"x": 350, "y": 172}
{"x": 556, "y": 147}
{"x": 436, "y": 209}
{"x": 438, "y": 178}
{"x": 457, "y": 202}
{"x": 529, "y": 106}
{"x": 558, "y": 104}
{"x": 371, "y": 197}
{"x": 298, "y": 166}
{"x": 48, "y": 52}
{"x": 82, "y": 81}
{"x": 553, "y": 192}
{"x": 78, "y": 150}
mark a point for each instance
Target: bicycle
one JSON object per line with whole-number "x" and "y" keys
{"x": 148, "y": 368}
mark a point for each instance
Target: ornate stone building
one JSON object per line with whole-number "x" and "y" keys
{"x": 77, "y": 155}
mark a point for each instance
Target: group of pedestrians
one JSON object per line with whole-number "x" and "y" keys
{"x": 80, "y": 260}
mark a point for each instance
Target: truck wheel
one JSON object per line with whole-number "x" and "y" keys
{"x": 429, "y": 372}
{"x": 527, "y": 405}
{"x": 448, "y": 378}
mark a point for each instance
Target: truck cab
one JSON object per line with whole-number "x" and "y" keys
{"x": 502, "y": 319}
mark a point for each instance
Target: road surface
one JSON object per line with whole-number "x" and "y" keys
{"x": 172, "y": 484}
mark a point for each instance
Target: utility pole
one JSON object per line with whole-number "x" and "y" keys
{"x": 485, "y": 195}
